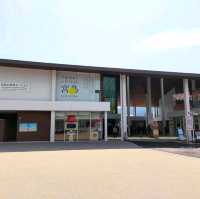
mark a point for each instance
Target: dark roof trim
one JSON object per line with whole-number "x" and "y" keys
{"x": 82, "y": 68}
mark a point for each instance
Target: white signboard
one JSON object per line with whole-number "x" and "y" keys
{"x": 189, "y": 122}
{"x": 77, "y": 86}
{"x": 13, "y": 86}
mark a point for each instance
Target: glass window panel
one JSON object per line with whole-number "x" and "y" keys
{"x": 141, "y": 111}
{"x": 110, "y": 92}
{"x": 83, "y": 126}
{"x": 96, "y": 126}
{"x": 86, "y": 126}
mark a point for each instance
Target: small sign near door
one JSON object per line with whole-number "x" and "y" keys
{"x": 28, "y": 127}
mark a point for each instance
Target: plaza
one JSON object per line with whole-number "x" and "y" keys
{"x": 107, "y": 170}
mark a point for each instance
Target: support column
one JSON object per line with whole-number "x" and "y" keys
{"x": 163, "y": 105}
{"x": 123, "y": 107}
{"x": 52, "y": 127}
{"x": 53, "y": 85}
{"x": 128, "y": 104}
{"x": 53, "y": 98}
{"x": 149, "y": 112}
{"x": 105, "y": 126}
{"x": 188, "y": 115}
{"x": 193, "y": 85}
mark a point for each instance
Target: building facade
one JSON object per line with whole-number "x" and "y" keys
{"x": 57, "y": 102}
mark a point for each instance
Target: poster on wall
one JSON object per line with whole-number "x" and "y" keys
{"x": 70, "y": 89}
{"x": 69, "y": 86}
{"x": 28, "y": 127}
{"x": 77, "y": 86}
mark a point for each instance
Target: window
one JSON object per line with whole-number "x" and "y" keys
{"x": 110, "y": 94}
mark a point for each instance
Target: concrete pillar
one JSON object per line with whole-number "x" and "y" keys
{"x": 53, "y": 98}
{"x": 52, "y": 127}
{"x": 188, "y": 114}
{"x": 123, "y": 101}
{"x": 163, "y": 105}
{"x": 128, "y": 103}
{"x": 121, "y": 104}
{"x": 193, "y": 85}
{"x": 53, "y": 85}
{"x": 105, "y": 126}
{"x": 149, "y": 112}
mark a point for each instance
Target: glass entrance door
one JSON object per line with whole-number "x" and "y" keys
{"x": 83, "y": 126}
{"x": 79, "y": 126}
{"x": 138, "y": 127}
{"x": 96, "y": 130}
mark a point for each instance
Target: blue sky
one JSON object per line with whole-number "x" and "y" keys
{"x": 153, "y": 35}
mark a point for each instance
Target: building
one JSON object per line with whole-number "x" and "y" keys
{"x": 59, "y": 102}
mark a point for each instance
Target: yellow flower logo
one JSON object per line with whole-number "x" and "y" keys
{"x": 72, "y": 90}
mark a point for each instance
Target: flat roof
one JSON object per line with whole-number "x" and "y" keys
{"x": 93, "y": 69}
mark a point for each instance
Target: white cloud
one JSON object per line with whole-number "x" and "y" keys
{"x": 163, "y": 41}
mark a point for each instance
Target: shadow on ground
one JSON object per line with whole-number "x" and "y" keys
{"x": 157, "y": 143}
{"x": 173, "y": 146}
{"x": 46, "y": 146}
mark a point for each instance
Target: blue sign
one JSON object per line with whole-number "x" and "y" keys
{"x": 28, "y": 127}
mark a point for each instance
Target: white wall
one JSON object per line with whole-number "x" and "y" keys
{"x": 37, "y": 84}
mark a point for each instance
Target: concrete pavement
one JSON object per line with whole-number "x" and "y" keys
{"x": 98, "y": 173}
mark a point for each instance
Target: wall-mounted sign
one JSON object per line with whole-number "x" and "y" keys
{"x": 70, "y": 86}
{"x": 71, "y": 126}
{"x": 28, "y": 127}
{"x": 77, "y": 86}
{"x": 69, "y": 90}
{"x": 71, "y": 118}
{"x": 71, "y": 123}
{"x": 14, "y": 86}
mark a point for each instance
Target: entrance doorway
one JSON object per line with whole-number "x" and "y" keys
{"x": 138, "y": 128}
{"x": 8, "y": 127}
{"x": 78, "y": 126}
{"x": 179, "y": 122}
{"x": 114, "y": 126}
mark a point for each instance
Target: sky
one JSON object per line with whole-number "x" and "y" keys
{"x": 140, "y": 34}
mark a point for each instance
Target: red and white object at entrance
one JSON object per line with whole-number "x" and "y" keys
{"x": 71, "y": 119}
